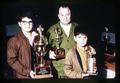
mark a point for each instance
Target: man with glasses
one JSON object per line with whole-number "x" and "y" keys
{"x": 20, "y": 55}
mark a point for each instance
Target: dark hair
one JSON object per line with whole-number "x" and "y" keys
{"x": 64, "y": 5}
{"x": 25, "y": 14}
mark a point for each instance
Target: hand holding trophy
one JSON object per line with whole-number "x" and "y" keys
{"x": 41, "y": 68}
{"x": 60, "y": 52}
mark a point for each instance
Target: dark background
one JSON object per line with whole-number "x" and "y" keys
{"x": 92, "y": 16}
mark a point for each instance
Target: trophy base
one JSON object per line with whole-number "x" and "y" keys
{"x": 43, "y": 72}
{"x": 60, "y": 53}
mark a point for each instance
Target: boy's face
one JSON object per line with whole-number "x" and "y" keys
{"x": 81, "y": 39}
{"x": 26, "y": 24}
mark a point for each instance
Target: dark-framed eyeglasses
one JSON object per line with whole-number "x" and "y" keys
{"x": 27, "y": 22}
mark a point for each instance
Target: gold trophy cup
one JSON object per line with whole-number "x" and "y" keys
{"x": 60, "y": 52}
{"x": 42, "y": 68}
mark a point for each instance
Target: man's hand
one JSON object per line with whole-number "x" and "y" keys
{"x": 52, "y": 55}
{"x": 43, "y": 76}
{"x": 32, "y": 74}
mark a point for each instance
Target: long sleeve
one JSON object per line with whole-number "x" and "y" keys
{"x": 13, "y": 58}
{"x": 69, "y": 69}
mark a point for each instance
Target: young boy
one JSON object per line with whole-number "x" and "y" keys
{"x": 76, "y": 61}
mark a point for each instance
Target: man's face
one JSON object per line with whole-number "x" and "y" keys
{"x": 64, "y": 15}
{"x": 26, "y": 24}
{"x": 81, "y": 40}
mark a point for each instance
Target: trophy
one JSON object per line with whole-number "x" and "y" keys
{"x": 41, "y": 68}
{"x": 106, "y": 39}
{"x": 91, "y": 62}
{"x": 60, "y": 52}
